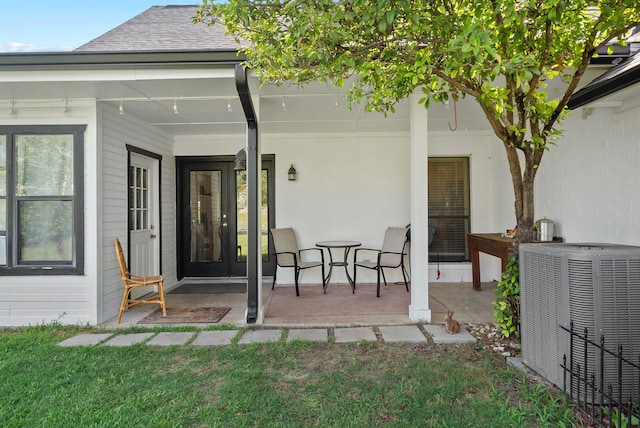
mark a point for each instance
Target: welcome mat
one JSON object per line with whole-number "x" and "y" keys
{"x": 186, "y": 315}
{"x": 210, "y": 288}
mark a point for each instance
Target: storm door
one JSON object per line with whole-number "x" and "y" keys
{"x": 212, "y": 217}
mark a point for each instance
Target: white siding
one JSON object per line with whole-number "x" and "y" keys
{"x": 117, "y": 132}
{"x": 588, "y": 183}
{"x": 29, "y": 300}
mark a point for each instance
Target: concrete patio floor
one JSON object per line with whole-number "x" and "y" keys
{"x": 470, "y": 307}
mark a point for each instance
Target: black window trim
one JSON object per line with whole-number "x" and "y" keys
{"x": 76, "y": 267}
{"x": 435, "y": 254}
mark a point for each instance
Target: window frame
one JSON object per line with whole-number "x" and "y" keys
{"x": 436, "y": 252}
{"x": 76, "y": 265}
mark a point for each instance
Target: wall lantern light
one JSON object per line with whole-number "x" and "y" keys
{"x": 292, "y": 173}
{"x": 241, "y": 160}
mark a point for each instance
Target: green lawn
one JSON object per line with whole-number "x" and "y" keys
{"x": 274, "y": 385}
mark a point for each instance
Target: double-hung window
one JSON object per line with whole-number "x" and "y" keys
{"x": 41, "y": 200}
{"x": 449, "y": 208}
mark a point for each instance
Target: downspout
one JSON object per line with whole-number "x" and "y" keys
{"x": 253, "y": 203}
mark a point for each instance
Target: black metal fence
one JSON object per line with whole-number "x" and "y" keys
{"x": 603, "y": 384}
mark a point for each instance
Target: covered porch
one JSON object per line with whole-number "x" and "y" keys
{"x": 358, "y": 172}
{"x": 339, "y": 307}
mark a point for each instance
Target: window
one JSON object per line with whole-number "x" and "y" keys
{"x": 41, "y": 200}
{"x": 449, "y": 208}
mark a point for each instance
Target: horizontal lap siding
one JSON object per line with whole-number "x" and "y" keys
{"x": 31, "y": 304}
{"x": 65, "y": 299}
{"x": 117, "y": 132}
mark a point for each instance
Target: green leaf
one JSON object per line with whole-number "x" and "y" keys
{"x": 392, "y": 47}
{"x": 391, "y": 16}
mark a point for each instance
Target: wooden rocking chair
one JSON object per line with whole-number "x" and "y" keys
{"x": 132, "y": 282}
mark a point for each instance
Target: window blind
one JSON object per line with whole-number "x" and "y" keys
{"x": 449, "y": 208}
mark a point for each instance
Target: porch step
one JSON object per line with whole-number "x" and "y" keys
{"x": 385, "y": 334}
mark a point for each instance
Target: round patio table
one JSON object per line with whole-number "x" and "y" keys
{"x": 347, "y": 245}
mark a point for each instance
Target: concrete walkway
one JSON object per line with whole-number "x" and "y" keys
{"x": 385, "y": 334}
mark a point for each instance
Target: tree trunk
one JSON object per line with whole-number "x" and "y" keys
{"x": 525, "y": 220}
{"x": 523, "y": 188}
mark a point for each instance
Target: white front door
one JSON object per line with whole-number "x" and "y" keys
{"x": 144, "y": 200}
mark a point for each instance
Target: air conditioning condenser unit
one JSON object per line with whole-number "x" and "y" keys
{"x": 597, "y": 286}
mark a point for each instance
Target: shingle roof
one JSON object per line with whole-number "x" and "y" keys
{"x": 625, "y": 74}
{"x": 162, "y": 28}
{"x": 622, "y": 75}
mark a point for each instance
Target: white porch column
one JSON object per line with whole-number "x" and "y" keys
{"x": 419, "y": 308}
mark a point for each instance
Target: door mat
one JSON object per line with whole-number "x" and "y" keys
{"x": 210, "y": 288}
{"x": 186, "y": 315}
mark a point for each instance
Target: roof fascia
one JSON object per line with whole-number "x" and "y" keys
{"x": 595, "y": 91}
{"x": 101, "y": 60}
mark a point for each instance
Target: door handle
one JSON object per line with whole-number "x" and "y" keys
{"x": 224, "y": 224}
{"x": 153, "y": 236}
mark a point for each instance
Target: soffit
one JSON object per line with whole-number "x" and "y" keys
{"x": 203, "y": 98}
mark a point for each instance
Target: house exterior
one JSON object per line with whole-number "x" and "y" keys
{"x": 134, "y": 136}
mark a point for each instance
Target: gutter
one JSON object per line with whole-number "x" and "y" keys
{"x": 101, "y": 60}
{"x": 624, "y": 73}
{"x": 254, "y": 258}
{"x": 616, "y": 79}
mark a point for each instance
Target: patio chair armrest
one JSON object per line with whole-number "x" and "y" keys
{"x": 397, "y": 253}
{"x": 393, "y": 252}
{"x": 314, "y": 249}
{"x": 355, "y": 253}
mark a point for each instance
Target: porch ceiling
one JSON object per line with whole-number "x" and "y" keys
{"x": 206, "y": 99}
{"x": 203, "y": 104}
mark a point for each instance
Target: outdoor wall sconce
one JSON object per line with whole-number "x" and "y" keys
{"x": 292, "y": 173}
{"x": 241, "y": 160}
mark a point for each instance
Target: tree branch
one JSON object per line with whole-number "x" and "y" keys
{"x": 463, "y": 87}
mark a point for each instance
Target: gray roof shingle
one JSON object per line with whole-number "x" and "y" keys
{"x": 626, "y": 74}
{"x": 162, "y": 28}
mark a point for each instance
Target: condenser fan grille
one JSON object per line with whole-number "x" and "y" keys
{"x": 597, "y": 286}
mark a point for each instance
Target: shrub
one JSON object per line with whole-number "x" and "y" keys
{"x": 506, "y": 308}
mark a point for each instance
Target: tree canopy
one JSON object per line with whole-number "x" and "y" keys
{"x": 503, "y": 53}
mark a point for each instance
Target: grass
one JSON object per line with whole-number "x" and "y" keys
{"x": 275, "y": 385}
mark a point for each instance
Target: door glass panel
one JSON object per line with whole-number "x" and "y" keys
{"x": 241, "y": 216}
{"x": 3, "y": 189}
{"x": 139, "y": 198}
{"x": 264, "y": 216}
{"x": 206, "y": 215}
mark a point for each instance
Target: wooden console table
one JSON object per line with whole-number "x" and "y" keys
{"x": 494, "y": 244}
